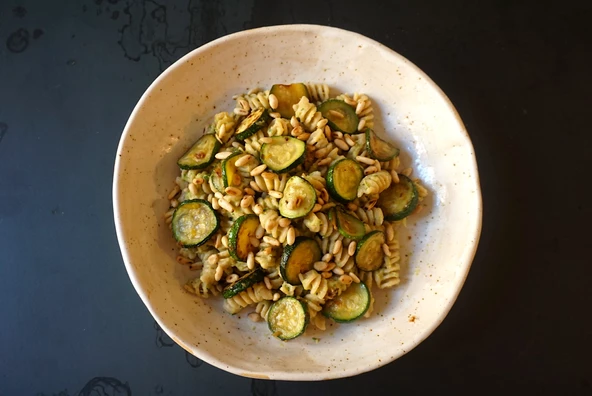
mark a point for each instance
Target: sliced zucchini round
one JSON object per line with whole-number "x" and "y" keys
{"x": 299, "y": 258}
{"x": 369, "y": 254}
{"x": 341, "y": 116}
{"x": 217, "y": 180}
{"x": 201, "y": 154}
{"x": 378, "y": 148}
{"x": 349, "y": 226}
{"x": 252, "y": 123}
{"x": 284, "y": 153}
{"x": 194, "y": 222}
{"x": 299, "y": 198}
{"x": 287, "y": 318}
{"x": 243, "y": 283}
{"x": 240, "y": 234}
{"x": 343, "y": 179}
{"x": 229, "y": 171}
{"x": 288, "y": 96}
{"x": 350, "y": 305}
{"x": 399, "y": 200}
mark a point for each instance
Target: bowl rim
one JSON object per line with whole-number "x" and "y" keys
{"x": 467, "y": 255}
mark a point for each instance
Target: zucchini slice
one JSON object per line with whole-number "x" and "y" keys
{"x": 284, "y": 153}
{"x": 194, "y": 222}
{"x": 229, "y": 171}
{"x": 341, "y": 116}
{"x": 369, "y": 254}
{"x": 378, "y": 148}
{"x": 217, "y": 180}
{"x": 299, "y": 258}
{"x": 349, "y": 226}
{"x": 343, "y": 179}
{"x": 287, "y": 318}
{"x": 399, "y": 200}
{"x": 288, "y": 96}
{"x": 243, "y": 283}
{"x": 201, "y": 154}
{"x": 299, "y": 198}
{"x": 252, "y": 123}
{"x": 240, "y": 234}
{"x": 350, "y": 305}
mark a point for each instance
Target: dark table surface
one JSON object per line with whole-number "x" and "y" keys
{"x": 72, "y": 71}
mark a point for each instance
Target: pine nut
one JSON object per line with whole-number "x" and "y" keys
{"x": 386, "y": 250}
{"x": 351, "y": 249}
{"x": 258, "y": 170}
{"x": 341, "y": 144}
{"x": 251, "y": 261}
{"x": 223, "y": 155}
{"x": 291, "y": 237}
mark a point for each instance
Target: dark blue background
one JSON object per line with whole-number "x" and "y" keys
{"x": 72, "y": 71}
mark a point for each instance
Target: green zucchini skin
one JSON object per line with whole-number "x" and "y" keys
{"x": 350, "y": 305}
{"x": 277, "y": 314}
{"x": 239, "y": 236}
{"x": 252, "y": 123}
{"x": 299, "y": 258}
{"x": 399, "y": 200}
{"x": 182, "y": 225}
{"x": 243, "y": 283}
{"x": 369, "y": 255}
{"x": 298, "y": 188}
{"x": 343, "y": 179}
{"x": 283, "y": 144}
{"x": 348, "y": 225}
{"x": 346, "y": 124}
{"x": 201, "y": 154}
{"x": 229, "y": 168}
{"x": 378, "y": 148}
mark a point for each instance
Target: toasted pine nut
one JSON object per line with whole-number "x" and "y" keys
{"x": 265, "y": 140}
{"x": 327, "y": 257}
{"x": 337, "y": 247}
{"x": 351, "y": 249}
{"x": 330, "y": 267}
{"x": 326, "y": 274}
{"x": 213, "y": 259}
{"x": 236, "y": 180}
{"x": 192, "y": 189}
{"x": 219, "y": 273}
{"x": 233, "y": 191}
{"x": 268, "y": 175}
{"x": 254, "y": 186}
{"x": 336, "y": 114}
{"x": 341, "y": 144}
{"x": 271, "y": 240}
{"x": 338, "y": 271}
{"x": 254, "y": 241}
{"x": 273, "y": 101}
{"x": 294, "y": 122}
{"x": 275, "y": 114}
{"x": 365, "y": 160}
{"x": 258, "y": 209}
{"x": 325, "y": 161}
{"x": 246, "y": 201}
{"x": 223, "y": 155}
{"x": 218, "y": 241}
{"x": 259, "y": 232}
{"x": 321, "y": 124}
{"x": 349, "y": 141}
{"x": 328, "y": 205}
{"x": 354, "y": 277}
{"x": 275, "y": 194}
{"x": 370, "y": 169}
{"x": 243, "y": 160}
{"x": 352, "y": 206}
{"x": 258, "y": 170}
{"x": 386, "y": 250}
{"x": 395, "y": 176}
{"x": 345, "y": 279}
{"x": 224, "y": 241}
{"x": 291, "y": 236}
{"x": 317, "y": 208}
{"x": 249, "y": 191}
{"x": 390, "y": 232}
{"x": 174, "y": 192}
{"x": 224, "y": 204}
{"x": 267, "y": 283}
{"x": 320, "y": 266}
{"x": 251, "y": 261}
{"x": 174, "y": 203}
{"x": 284, "y": 222}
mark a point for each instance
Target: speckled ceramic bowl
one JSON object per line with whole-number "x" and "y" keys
{"x": 438, "y": 245}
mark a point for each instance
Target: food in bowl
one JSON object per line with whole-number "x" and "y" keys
{"x": 290, "y": 205}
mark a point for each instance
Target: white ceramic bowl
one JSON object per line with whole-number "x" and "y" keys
{"x": 415, "y": 114}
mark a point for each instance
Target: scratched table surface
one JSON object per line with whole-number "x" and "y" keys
{"x": 72, "y": 71}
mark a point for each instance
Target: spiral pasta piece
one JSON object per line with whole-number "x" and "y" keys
{"x": 223, "y": 126}
{"x": 375, "y": 183}
{"x": 372, "y": 217}
{"x": 307, "y": 113}
{"x": 252, "y": 101}
{"x": 263, "y": 308}
{"x": 318, "y": 92}
{"x": 254, "y": 294}
{"x": 197, "y": 287}
{"x": 279, "y": 127}
{"x": 388, "y": 275}
{"x": 314, "y": 283}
